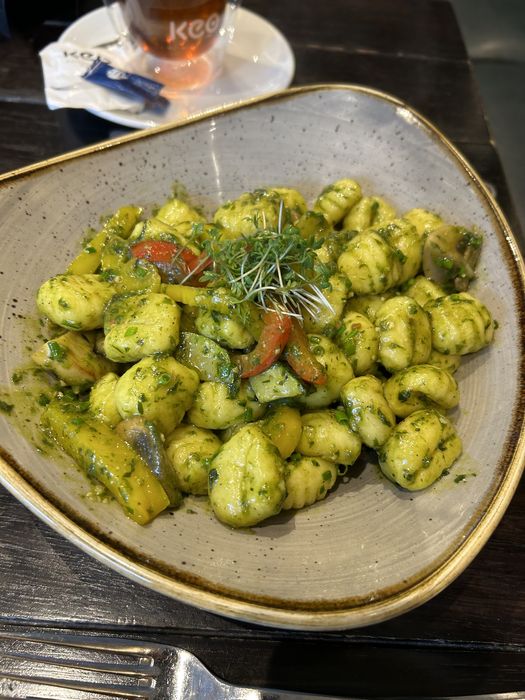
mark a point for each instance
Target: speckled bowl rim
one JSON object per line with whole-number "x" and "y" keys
{"x": 265, "y": 613}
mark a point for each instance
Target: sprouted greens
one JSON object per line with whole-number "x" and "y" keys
{"x": 274, "y": 268}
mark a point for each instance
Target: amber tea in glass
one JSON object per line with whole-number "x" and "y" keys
{"x": 174, "y": 30}
{"x": 180, "y": 42}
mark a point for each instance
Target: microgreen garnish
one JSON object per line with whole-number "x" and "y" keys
{"x": 273, "y": 268}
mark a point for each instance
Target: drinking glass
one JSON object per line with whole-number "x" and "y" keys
{"x": 181, "y": 43}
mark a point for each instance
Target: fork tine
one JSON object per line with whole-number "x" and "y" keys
{"x": 86, "y": 641}
{"x": 138, "y": 669}
{"x": 44, "y": 659}
{"x": 116, "y": 691}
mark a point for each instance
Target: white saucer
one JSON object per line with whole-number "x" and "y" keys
{"x": 259, "y": 60}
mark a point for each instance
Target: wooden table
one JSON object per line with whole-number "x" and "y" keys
{"x": 470, "y": 638}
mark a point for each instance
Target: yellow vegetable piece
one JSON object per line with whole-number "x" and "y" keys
{"x": 216, "y": 299}
{"x": 123, "y": 221}
{"x": 120, "y": 224}
{"x": 283, "y": 426}
{"x": 107, "y": 458}
{"x": 88, "y": 260}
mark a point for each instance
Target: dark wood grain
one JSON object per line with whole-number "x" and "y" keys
{"x": 400, "y": 28}
{"x": 36, "y": 133}
{"x": 468, "y": 639}
{"x": 41, "y": 562}
{"x": 471, "y": 637}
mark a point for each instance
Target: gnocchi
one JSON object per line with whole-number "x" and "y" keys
{"x": 248, "y": 355}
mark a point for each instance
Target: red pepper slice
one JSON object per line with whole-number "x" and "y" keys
{"x": 301, "y": 359}
{"x": 174, "y": 262}
{"x": 155, "y": 251}
{"x": 271, "y": 343}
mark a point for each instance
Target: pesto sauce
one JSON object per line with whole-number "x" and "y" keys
{"x": 31, "y": 390}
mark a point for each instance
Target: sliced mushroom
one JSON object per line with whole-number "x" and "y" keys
{"x": 450, "y": 256}
{"x": 144, "y": 437}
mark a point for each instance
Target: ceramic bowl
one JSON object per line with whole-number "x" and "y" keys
{"x": 370, "y": 550}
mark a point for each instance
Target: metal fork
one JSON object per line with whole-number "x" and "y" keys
{"x": 48, "y": 665}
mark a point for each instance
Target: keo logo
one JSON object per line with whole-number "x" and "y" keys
{"x": 195, "y": 28}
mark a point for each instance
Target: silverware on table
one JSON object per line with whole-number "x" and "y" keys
{"x": 39, "y": 662}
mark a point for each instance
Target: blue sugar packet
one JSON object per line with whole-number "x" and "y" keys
{"x": 136, "y": 87}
